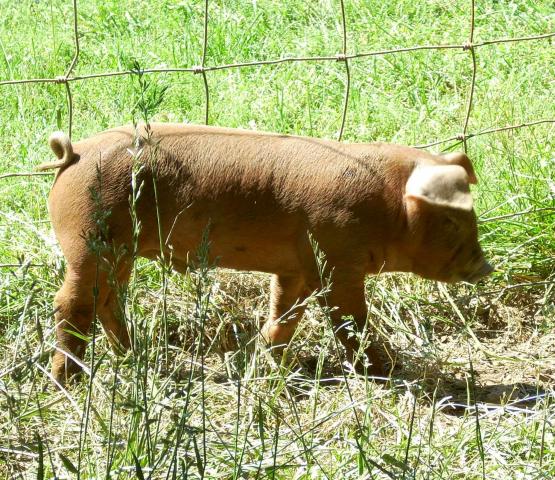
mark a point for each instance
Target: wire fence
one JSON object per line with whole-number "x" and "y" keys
{"x": 344, "y": 56}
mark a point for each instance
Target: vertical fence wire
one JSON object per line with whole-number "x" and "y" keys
{"x": 343, "y": 57}
{"x": 470, "y": 48}
{"x": 203, "y": 71}
{"x": 64, "y": 79}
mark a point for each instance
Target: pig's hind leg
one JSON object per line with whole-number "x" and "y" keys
{"x": 88, "y": 290}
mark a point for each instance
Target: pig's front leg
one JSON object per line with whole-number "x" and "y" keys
{"x": 287, "y": 293}
{"x": 345, "y": 302}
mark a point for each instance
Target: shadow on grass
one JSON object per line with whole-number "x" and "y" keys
{"x": 456, "y": 394}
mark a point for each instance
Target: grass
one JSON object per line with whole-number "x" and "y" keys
{"x": 472, "y": 395}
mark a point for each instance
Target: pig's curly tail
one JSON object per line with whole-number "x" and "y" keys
{"x": 61, "y": 146}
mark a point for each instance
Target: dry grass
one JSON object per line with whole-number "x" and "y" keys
{"x": 237, "y": 414}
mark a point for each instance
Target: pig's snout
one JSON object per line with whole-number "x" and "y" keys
{"x": 483, "y": 270}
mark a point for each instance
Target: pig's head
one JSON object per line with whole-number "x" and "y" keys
{"x": 442, "y": 238}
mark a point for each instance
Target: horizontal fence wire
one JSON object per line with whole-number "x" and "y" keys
{"x": 345, "y": 57}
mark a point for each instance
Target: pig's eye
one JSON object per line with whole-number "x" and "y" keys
{"x": 450, "y": 225}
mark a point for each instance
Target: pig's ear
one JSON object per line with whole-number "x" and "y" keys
{"x": 460, "y": 158}
{"x": 441, "y": 185}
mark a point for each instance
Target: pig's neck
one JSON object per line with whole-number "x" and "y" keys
{"x": 396, "y": 261}
{"x": 391, "y": 255}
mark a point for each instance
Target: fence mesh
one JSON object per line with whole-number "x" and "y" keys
{"x": 344, "y": 56}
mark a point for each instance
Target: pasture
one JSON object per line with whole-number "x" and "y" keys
{"x": 471, "y": 393}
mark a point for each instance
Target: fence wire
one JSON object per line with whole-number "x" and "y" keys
{"x": 344, "y": 56}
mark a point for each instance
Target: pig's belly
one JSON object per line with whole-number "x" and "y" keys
{"x": 273, "y": 245}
